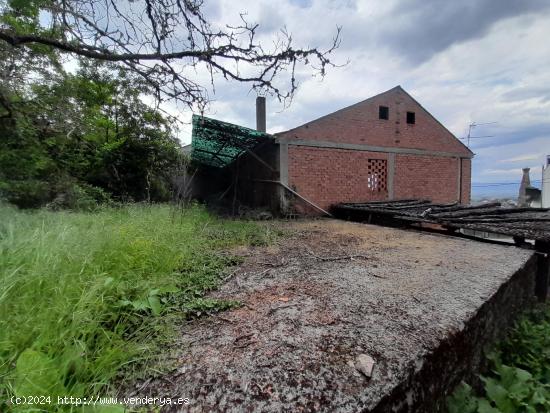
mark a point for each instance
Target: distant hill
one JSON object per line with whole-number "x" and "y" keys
{"x": 504, "y": 191}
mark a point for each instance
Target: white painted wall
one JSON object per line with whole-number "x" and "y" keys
{"x": 546, "y": 184}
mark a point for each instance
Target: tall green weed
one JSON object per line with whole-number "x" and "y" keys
{"x": 86, "y": 296}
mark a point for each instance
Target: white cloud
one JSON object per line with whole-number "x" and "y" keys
{"x": 513, "y": 171}
{"x": 522, "y": 158}
{"x": 466, "y": 61}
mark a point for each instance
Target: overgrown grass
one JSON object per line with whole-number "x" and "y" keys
{"x": 519, "y": 381}
{"x": 84, "y": 296}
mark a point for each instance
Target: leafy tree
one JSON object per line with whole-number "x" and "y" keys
{"x": 71, "y": 137}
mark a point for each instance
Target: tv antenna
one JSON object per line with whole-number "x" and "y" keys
{"x": 473, "y": 125}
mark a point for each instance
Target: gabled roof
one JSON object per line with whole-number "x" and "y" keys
{"x": 218, "y": 144}
{"x": 433, "y": 117}
{"x": 396, "y": 88}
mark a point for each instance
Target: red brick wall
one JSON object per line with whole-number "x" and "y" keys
{"x": 466, "y": 180}
{"x": 359, "y": 124}
{"x": 328, "y": 176}
{"x": 428, "y": 177}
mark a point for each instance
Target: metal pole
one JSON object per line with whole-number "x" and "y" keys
{"x": 470, "y": 131}
{"x": 543, "y": 269}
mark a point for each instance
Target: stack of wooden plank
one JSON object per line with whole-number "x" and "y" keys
{"x": 520, "y": 223}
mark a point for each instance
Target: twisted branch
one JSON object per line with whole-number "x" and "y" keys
{"x": 165, "y": 41}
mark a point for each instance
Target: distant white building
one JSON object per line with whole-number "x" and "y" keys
{"x": 545, "y": 186}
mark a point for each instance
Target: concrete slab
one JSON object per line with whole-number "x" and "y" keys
{"x": 421, "y": 305}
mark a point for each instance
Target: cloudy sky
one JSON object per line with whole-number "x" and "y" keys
{"x": 466, "y": 61}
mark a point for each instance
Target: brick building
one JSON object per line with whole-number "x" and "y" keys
{"x": 385, "y": 147}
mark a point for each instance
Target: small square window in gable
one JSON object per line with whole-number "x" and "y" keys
{"x": 383, "y": 112}
{"x": 411, "y": 118}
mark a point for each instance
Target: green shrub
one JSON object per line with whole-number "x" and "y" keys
{"x": 528, "y": 347}
{"x": 519, "y": 379}
{"x": 79, "y": 197}
{"x": 29, "y": 193}
{"x": 509, "y": 390}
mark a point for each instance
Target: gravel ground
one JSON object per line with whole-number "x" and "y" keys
{"x": 328, "y": 292}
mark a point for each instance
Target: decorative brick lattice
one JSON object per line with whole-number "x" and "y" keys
{"x": 377, "y": 170}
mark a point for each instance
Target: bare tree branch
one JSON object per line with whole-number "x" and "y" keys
{"x": 168, "y": 43}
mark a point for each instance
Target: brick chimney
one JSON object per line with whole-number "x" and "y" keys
{"x": 525, "y": 182}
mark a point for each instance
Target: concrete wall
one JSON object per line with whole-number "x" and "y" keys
{"x": 461, "y": 355}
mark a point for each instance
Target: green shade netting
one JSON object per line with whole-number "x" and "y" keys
{"x": 218, "y": 144}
